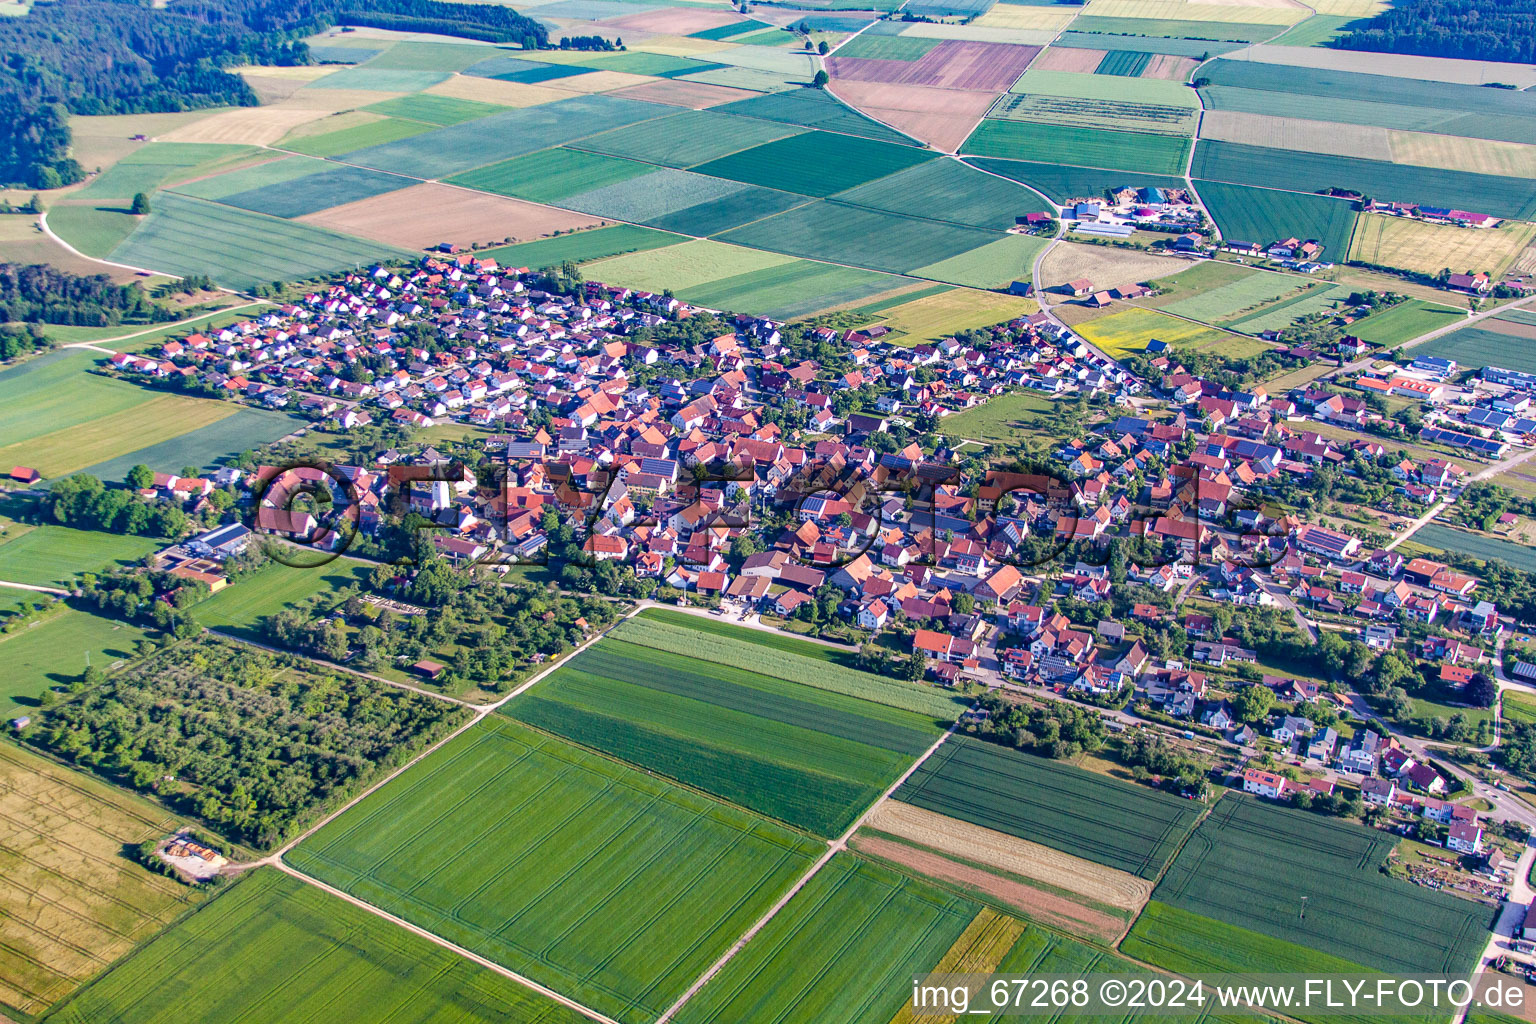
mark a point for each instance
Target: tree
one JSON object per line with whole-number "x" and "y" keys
{"x": 820, "y": 81}
{"x": 822, "y": 47}
{"x": 915, "y": 667}
{"x": 1252, "y": 703}
{"x": 1482, "y": 691}
{"x": 140, "y": 477}
{"x": 140, "y": 205}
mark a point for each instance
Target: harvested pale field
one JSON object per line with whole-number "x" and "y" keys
{"x": 1169, "y": 67}
{"x": 103, "y": 141}
{"x": 245, "y": 126}
{"x": 978, "y": 951}
{"x": 301, "y": 72}
{"x": 327, "y": 123}
{"x": 1046, "y": 907}
{"x": 1295, "y": 133}
{"x": 1427, "y": 248}
{"x": 334, "y": 100}
{"x": 1067, "y": 58}
{"x": 1104, "y": 266}
{"x": 1027, "y": 17}
{"x": 1481, "y": 155}
{"x": 694, "y": 95}
{"x": 491, "y": 90}
{"x": 1525, "y": 263}
{"x": 424, "y": 215}
{"x": 1350, "y": 8}
{"x": 675, "y": 21}
{"x": 1272, "y": 12}
{"x": 1096, "y": 882}
{"x": 1396, "y": 65}
{"x": 940, "y": 117}
{"x": 21, "y": 242}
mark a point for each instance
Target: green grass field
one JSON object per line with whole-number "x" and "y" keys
{"x": 807, "y": 757}
{"x": 152, "y": 166}
{"x": 785, "y": 657}
{"x": 204, "y": 447}
{"x": 815, "y": 163}
{"x": 844, "y": 949}
{"x": 255, "y": 176}
{"x": 53, "y": 555}
{"x": 298, "y": 953}
{"x": 947, "y": 190}
{"x": 872, "y": 47}
{"x": 1228, "y": 300}
{"x": 94, "y": 230}
{"x": 334, "y": 186}
{"x": 346, "y": 140}
{"x": 1404, "y": 322}
{"x": 1267, "y": 215}
{"x": 1279, "y": 315}
{"x": 796, "y": 288}
{"x": 612, "y": 886}
{"x": 1124, "y": 63}
{"x": 683, "y": 266}
{"x": 1249, "y": 863}
{"x": 54, "y": 392}
{"x": 238, "y": 248}
{"x": 239, "y": 608}
{"x": 688, "y": 138}
{"x": 1132, "y": 828}
{"x": 1483, "y": 345}
{"x": 860, "y": 237}
{"x": 994, "y": 265}
{"x": 550, "y": 174}
{"x": 812, "y": 108}
{"x": 1090, "y": 147}
{"x": 651, "y": 197}
{"x": 931, "y": 316}
{"x": 55, "y": 651}
{"x": 582, "y": 246}
{"x": 713, "y": 216}
{"x": 1511, "y": 553}
{"x": 1063, "y": 181}
{"x": 1005, "y": 419}
{"x": 1310, "y": 172}
{"x": 1106, "y": 87}
{"x": 438, "y": 110}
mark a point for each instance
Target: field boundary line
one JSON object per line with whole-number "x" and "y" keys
{"x": 491, "y": 965}
{"x": 833, "y": 848}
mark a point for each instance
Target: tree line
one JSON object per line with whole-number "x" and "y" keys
{"x": 1502, "y": 30}
{"x": 39, "y": 293}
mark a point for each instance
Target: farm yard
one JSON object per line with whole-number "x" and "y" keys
{"x": 71, "y": 901}
{"x": 807, "y": 757}
{"x": 563, "y": 865}
{"x": 1247, "y": 866}
{"x": 1131, "y": 828}
{"x": 275, "y": 942}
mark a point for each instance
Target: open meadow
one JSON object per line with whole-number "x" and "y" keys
{"x": 53, "y": 555}
{"x": 71, "y": 901}
{"x": 1003, "y": 419}
{"x": 1133, "y": 828}
{"x": 1247, "y": 867}
{"x": 55, "y": 652}
{"x": 1404, "y": 322}
{"x": 608, "y": 884}
{"x": 298, "y": 953}
{"x": 238, "y": 609}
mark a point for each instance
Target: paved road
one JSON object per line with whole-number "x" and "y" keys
{"x": 1511, "y": 915}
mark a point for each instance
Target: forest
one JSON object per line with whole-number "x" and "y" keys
{"x": 121, "y": 56}
{"x": 39, "y": 293}
{"x": 1502, "y": 30}
{"x": 251, "y": 743}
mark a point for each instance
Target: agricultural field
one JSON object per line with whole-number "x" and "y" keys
{"x": 162, "y": 163}
{"x": 860, "y": 237}
{"x": 239, "y": 608}
{"x": 1132, "y": 828}
{"x": 429, "y": 214}
{"x": 1487, "y": 344}
{"x": 1247, "y": 866}
{"x": 1404, "y": 322}
{"x": 1276, "y": 316}
{"x": 1129, "y": 331}
{"x": 1481, "y": 155}
{"x": 94, "y": 230}
{"x": 994, "y": 265}
{"x": 940, "y": 315}
{"x": 583, "y": 246}
{"x": 655, "y": 198}
{"x": 314, "y": 192}
{"x": 1105, "y": 88}
{"x": 576, "y": 871}
{"x": 845, "y": 948}
{"x": 812, "y": 108}
{"x": 53, "y": 555}
{"x": 55, "y": 651}
{"x": 1222, "y": 31}
{"x": 1272, "y": 168}
{"x": 1297, "y": 134}
{"x": 792, "y": 289}
{"x": 815, "y": 163}
{"x": 55, "y": 392}
{"x": 807, "y": 757}
{"x": 1109, "y": 115}
{"x": 951, "y": 64}
{"x": 1090, "y": 147}
{"x": 1480, "y": 546}
{"x": 1427, "y": 248}
{"x": 1109, "y": 267}
{"x": 435, "y": 110}
{"x": 687, "y": 139}
{"x": 238, "y": 248}
{"x": 1063, "y": 182}
{"x": 551, "y": 174}
{"x": 346, "y": 132}
{"x": 71, "y": 901}
{"x": 793, "y": 659}
{"x": 1227, "y": 301}
{"x": 1264, "y": 215}
{"x": 297, "y": 952}
{"x": 947, "y": 190}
